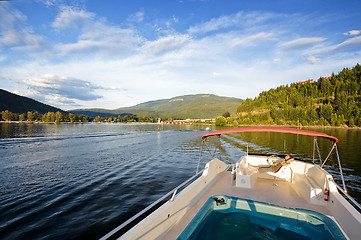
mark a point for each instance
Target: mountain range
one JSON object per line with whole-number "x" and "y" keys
{"x": 188, "y": 106}
{"x": 180, "y": 107}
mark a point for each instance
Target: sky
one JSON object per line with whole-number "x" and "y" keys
{"x": 118, "y": 53}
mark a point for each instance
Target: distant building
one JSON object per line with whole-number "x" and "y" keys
{"x": 311, "y": 80}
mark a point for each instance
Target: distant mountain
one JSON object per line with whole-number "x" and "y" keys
{"x": 19, "y": 104}
{"x": 181, "y": 107}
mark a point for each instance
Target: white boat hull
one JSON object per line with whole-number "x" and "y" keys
{"x": 301, "y": 186}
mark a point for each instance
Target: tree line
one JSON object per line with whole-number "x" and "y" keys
{"x": 330, "y": 101}
{"x": 57, "y": 117}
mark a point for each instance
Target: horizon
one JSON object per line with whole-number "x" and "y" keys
{"x": 88, "y": 54}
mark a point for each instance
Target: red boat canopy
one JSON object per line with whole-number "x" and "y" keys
{"x": 270, "y": 129}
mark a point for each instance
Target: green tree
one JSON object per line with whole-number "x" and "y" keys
{"x": 97, "y": 119}
{"x": 229, "y": 120}
{"x": 58, "y": 117}
{"x": 326, "y": 87}
{"x": 45, "y": 117}
{"x": 48, "y": 117}
{"x": 129, "y": 118}
{"x": 326, "y": 112}
{"x": 6, "y": 115}
{"x": 30, "y": 116}
{"x": 22, "y": 117}
{"x": 71, "y": 117}
{"x": 51, "y": 116}
{"x": 220, "y": 121}
{"x": 37, "y": 116}
{"x": 341, "y": 103}
{"x": 266, "y": 116}
{"x": 226, "y": 114}
{"x": 351, "y": 122}
{"x": 85, "y": 118}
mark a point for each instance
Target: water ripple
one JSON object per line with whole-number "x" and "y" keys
{"x": 78, "y": 187}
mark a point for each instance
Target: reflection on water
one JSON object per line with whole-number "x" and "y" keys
{"x": 77, "y": 181}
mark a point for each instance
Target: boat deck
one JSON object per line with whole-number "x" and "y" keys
{"x": 282, "y": 195}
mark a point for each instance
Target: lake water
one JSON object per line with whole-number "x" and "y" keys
{"x": 79, "y": 181}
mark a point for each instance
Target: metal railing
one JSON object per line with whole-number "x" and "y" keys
{"x": 174, "y": 191}
{"x": 348, "y": 196}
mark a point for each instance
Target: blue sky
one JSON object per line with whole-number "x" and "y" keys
{"x": 111, "y": 54}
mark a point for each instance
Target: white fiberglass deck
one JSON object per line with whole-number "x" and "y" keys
{"x": 262, "y": 191}
{"x": 299, "y": 185}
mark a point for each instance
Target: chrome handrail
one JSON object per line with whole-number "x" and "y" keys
{"x": 150, "y": 206}
{"x": 348, "y": 196}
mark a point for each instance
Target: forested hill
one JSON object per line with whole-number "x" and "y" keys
{"x": 180, "y": 107}
{"x": 19, "y": 104}
{"x": 334, "y": 100}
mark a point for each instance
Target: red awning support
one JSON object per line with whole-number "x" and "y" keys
{"x": 270, "y": 129}
{"x": 204, "y": 143}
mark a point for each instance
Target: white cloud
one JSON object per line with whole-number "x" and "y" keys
{"x": 70, "y": 17}
{"x": 136, "y": 17}
{"x": 313, "y": 59}
{"x": 353, "y": 33}
{"x": 15, "y": 33}
{"x": 216, "y": 74}
{"x": 250, "y": 40}
{"x": 351, "y": 42}
{"x": 301, "y": 43}
{"x": 31, "y": 94}
{"x": 60, "y": 86}
{"x": 165, "y": 44}
{"x": 95, "y": 36}
{"x": 355, "y": 41}
{"x": 238, "y": 20}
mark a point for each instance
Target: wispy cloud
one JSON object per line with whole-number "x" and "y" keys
{"x": 351, "y": 42}
{"x": 70, "y": 17}
{"x": 15, "y": 33}
{"x": 137, "y": 17}
{"x": 277, "y": 60}
{"x": 353, "y": 33}
{"x": 165, "y": 44}
{"x": 300, "y": 43}
{"x": 95, "y": 35}
{"x": 237, "y": 20}
{"x": 250, "y": 39}
{"x": 313, "y": 59}
{"x": 216, "y": 74}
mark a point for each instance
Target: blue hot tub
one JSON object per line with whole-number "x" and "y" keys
{"x": 224, "y": 217}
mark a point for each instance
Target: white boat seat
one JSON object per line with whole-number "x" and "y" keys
{"x": 246, "y": 178}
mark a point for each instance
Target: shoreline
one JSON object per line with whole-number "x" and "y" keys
{"x": 200, "y": 124}
{"x": 295, "y": 126}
